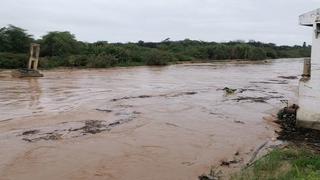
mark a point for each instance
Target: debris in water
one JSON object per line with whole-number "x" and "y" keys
{"x": 271, "y": 82}
{"x": 190, "y": 93}
{"x": 239, "y": 122}
{"x": 171, "y": 124}
{"x": 228, "y": 163}
{"x": 213, "y": 175}
{"x": 286, "y": 102}
{"x": 52, "y": 137}
{"x": 179, "y": 94}
{"x": 242, "y": 90}
{"x": 26, "y": 139}
{"x": 131, "y": 97}
{"x": 93, "y": 127}
{"x": 26, "y": 133}
{"x": 149, "y": 96}
{"x": 144, "y": 96}
{"x": 136, "y": 112}
{"x": 255, "y": 153}
{"x": 104, "y": 110}
{"x": 77, "y": 129}
{"x": 257, "y": 99}
{"x": 115, "y": 123}
{"x": 288, "y": 77}
{"x": 188, "y": 163}
{"x": 229, "y": 90}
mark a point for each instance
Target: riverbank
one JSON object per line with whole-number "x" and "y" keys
{"x": 62, "y": 49}
{"x": 15, "y": 61}
{"x": 289, "y": 162}
{"x": 299, "y": 158}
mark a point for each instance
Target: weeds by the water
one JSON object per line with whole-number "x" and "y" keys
{"x": 288, "y": 163}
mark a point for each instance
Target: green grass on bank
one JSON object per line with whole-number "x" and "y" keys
{"x": 284, "y": 164}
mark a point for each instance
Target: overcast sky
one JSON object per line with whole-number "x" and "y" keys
{"x": 155, "y": 20}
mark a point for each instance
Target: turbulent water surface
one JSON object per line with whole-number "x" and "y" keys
{"x": 170, "y": 122}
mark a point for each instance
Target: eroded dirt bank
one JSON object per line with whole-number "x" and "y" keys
{"x": 139, "y": 123}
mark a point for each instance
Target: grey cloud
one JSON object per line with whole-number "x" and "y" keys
{"x": 154, "y": 20}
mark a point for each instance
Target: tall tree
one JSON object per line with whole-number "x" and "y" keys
{"x": 14, "y": 39}
{"x": 59, "y": 44}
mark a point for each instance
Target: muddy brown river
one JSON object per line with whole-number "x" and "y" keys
{"x": 159, "y": 123}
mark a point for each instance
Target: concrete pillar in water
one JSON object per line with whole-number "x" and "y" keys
{"x": 307, "y": 68}
{"x": 34, "y": 56}
{"x": 32, "y": 69}
{"x": 309, "y": 88}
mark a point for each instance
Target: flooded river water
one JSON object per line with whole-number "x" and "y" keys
{"x": 143, "y": 123}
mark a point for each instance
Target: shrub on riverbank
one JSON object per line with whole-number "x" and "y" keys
{"x": 13, "y": 61}
{"x": 158, "y": 58}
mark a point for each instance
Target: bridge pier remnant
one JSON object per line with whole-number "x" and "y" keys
{"x": 34, "y": 56}
{"x": 32, "y": 70}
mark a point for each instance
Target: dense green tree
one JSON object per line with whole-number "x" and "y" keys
{"x": 102, "y": 61}
{"x": 13, "y": 60}
{"x": 240, "y": 51}
{"x": 159, "y": 58}
{"x": 14, "y": 39}
{"x": 256, "y": 54}
{"x": 219, "y": 51}
{"x": 59, "y": 44}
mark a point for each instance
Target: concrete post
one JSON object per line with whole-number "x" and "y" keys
{"x": 307, "y": 68}
{"x": 34, "y": 56}
{"x": 308, "y": 114}
{"x": 31, "y": 70}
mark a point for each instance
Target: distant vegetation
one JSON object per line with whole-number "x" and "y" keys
{"x": 63, "y": 49}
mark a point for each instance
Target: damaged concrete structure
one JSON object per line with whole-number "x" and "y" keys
{"x": 32, "y": 70}
{"x": 308, "y": 115}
